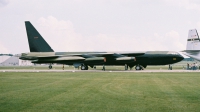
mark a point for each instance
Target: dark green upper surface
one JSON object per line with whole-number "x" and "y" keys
{"x": 36, "y": 41}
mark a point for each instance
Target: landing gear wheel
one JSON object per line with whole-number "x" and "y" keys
{"x": 50, "y": 67}
{"x": 138, "y": 67}
{"x": 84, "y": 67}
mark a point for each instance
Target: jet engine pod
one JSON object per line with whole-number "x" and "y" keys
{"x": 126, "y": 59}
{"x": 95, "y": 60}
{"x": 59, "y": 60}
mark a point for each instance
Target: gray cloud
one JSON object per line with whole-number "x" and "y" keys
{"x": 3, "y": 2}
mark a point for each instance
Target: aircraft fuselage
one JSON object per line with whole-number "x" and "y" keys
{"x": 106, "y": 58}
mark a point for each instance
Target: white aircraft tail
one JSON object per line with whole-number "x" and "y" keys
{"x": 193, "y": 41}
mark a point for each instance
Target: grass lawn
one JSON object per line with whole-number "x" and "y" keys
{"x": 107, "y": 91}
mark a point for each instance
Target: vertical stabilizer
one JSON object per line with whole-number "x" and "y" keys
{"x": 35, "y": 40}
{"x": 193, "y": 42}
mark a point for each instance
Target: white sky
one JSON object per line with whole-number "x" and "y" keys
{"x": 99, "y": 25}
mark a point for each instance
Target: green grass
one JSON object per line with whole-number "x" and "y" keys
{"x": 107, "y": 91}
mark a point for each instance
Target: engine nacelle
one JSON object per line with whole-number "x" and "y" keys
{"x": 94, "y": 60}
{"x": 126, "y": 59}
{"x": 59, "y": 59}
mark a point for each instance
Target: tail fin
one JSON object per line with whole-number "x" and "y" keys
{"x": 193, "y": 41}
{"x": 35, "y": 40}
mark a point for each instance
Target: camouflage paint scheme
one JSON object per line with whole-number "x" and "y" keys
{"x": 41, "y": 52}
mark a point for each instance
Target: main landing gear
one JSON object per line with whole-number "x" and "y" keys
{"x": 138, "y": 67}
{"x": 170, "y": 67}
{"x": 84, "y": 67}
{"x": 50, "y": 66}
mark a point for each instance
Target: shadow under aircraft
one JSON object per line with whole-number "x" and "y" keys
{"x": 41, "y": 52}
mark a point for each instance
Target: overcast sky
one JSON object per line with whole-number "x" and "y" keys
{"x": 99, "y": 25}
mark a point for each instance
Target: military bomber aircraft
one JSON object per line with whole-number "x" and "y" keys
{"x": 41, "y": 52}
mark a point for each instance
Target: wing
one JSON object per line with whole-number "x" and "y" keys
{"x": 35, "y": 56}
{"x": 133, "y": 53}
{"x": 108, "y": 54}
